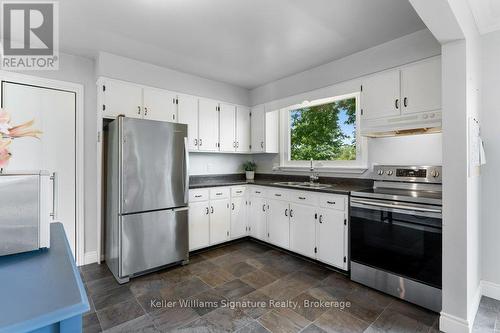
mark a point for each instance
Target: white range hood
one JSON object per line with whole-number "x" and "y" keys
{"x": 418, "y": 123}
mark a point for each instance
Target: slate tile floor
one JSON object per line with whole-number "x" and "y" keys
{"x": 252, "y": 273}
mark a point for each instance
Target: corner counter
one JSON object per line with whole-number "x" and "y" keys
{"x": 42, "y": 291}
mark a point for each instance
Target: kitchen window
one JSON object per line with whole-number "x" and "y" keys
{"x": 325, "y": 131}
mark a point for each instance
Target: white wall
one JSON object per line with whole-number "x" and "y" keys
{"x": 490, "y": 116}
{"x": 81, "y": 70}
{"x": 317, "y": 83}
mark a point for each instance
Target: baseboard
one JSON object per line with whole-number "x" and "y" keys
{"x": 451, "y": 324}
{"x": 90, "y": 257}
{"x": 490, "y": 289}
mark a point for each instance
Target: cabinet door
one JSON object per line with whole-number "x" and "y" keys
{"x": 271, "y": 143}
{"x": 278, "y": 223}
{"x": 120, "y": 98}
{"x": 380, "y": 95}
{"x": 331, "y": 238}
{"x": 421, "y": 86}
{"x": 187, "y": 111}
{"x": 238, "y": 217}
{"x": 242, "y": 129}
{"x": 257, "y": 129}
{"x": 303, "y": 229}
{"x": 257, "y": 218}
{"x": 227, "y": 126}
{"x": 208, "y": 134}
{"x": 160, "y": 105}
{"x": 199, "y": 225}
{"x": 220, "y": 221}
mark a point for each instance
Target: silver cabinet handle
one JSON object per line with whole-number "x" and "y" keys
{"x": 201, "y": 142}
{"x": 291, "y": 212}
{"x": 212, "y": 209}
{"x": 195, "y": 142}
{"x": 55, "y": 194}
{"x": 206, "y": 210}
{"x": 405, "y": 101}
{"x": 396, "y": 103}
{"x": 138, "y": 110}
{"x": 264, "y": 207}
{"x": 237, "y": 144}
{"x": 331, "y": 202}
{"x": 198, "y": 196}
{"x": 302, "y": 198}
{"x": 262, "y": 144}
{"x": 145, "y": 111}
{"x": 321, "y": 219}
{"x": 232, "y": 206}
{"x": 286, "y": 212}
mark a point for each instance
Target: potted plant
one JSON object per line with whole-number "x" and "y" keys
{"x": 250, "y": 168}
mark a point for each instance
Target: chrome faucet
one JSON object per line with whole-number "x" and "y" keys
{"x": 313, "y": 177}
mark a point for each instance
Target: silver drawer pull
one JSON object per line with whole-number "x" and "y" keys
{"x": 258, "y": 192}
{"x": 239, "y": 191}
{"x": 198, "y": 196}
{"x": 331, "y": 202}
{"x": 277, "y": 194}
{"x": 302, "y": 198}
{"x": 218, "y": 193}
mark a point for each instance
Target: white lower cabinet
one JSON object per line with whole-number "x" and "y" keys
{"x": 199, "y": 225}
{"x": 238, "y": 217}
{"x": 311, "y": 224}
{"x": 278, "y": 223}
{"x": 257, "y": 222}
{"x": 220, "y": 221}
{"x": 331, "y": 237}
{"x": 302, "y": 229}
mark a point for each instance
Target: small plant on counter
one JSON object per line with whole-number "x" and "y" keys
{"x": 250, "y": 168}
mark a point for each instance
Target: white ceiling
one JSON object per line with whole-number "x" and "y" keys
{"x": 243, "y": 42}
{"x": 486, "y": 14}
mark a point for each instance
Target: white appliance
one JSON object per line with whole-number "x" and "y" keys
{"x": 26, "y": 211}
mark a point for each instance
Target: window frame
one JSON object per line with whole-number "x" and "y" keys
{"x": 357, "y": 165}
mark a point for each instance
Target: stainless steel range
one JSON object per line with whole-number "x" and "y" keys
{"x": 396, "y": 234}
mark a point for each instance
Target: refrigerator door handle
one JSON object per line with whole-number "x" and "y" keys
{"x": 186, "y": 175}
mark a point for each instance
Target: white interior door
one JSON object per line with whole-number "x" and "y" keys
{"x": 54, "y": 113}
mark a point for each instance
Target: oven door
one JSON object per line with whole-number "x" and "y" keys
{"x": 398, "y": 237}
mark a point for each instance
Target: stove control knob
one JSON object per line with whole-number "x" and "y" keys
{"x": 390, "y": 172}
{"x": 435, "y": 173}
{"x": 380, "y": 172}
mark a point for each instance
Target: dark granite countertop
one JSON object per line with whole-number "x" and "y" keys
{"x": 340, "y": 185}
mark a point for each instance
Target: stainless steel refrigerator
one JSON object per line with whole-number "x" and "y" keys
{"x": 147, "y": 196}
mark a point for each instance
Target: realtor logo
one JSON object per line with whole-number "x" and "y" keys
{"x": 30, "y": 36}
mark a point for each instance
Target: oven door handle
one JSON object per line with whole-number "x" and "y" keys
{"x": 401, "y": 207}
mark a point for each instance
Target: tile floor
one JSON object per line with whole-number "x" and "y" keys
{"x": 261, "y": 280}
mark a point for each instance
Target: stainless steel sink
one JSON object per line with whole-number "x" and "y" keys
{"x": 304, "y": 185}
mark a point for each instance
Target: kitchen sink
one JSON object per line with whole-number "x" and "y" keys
{"x": 304, "y": 185}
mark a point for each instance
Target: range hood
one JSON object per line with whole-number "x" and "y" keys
{"x": 406, "y": 124}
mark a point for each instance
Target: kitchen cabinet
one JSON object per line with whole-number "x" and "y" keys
{"x": 331, "y": 237}
{"x": 121, "y": 98}
{"x": 208, "y": 129}
{"x": 264, "y": 130}
{"x": 159, "y": 105}
{"x": 257, "y": 218}
{"x": 302, "y": 229}
{"x": 257, "y": 129}
{"x": 227, "y": 127}
{"x": 238, "y": 217}
{"x": 380, "y": 95}
{"x": 243, "y": 129}
{"x": 187, "y": 110}
{"x": 220, "y": 221}
{"x": 278, "y": 223}
{"x": 421, "y": 86}
{"x": 199, "y": 225}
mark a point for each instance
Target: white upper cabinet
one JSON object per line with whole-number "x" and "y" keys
{"x": 188, "y": 114}
{"x": 121, "y": 98}
{"x": 258, "y": 129}
{"x": 272, "y": 137}
{"x": 242, "y": 129}
{"x": 380, "y": 95}
{"x": 159, "y": 104}
{"x": 421, "y": 86}
{"x": 227, "y": 126}
{"x": 208, "y": 131}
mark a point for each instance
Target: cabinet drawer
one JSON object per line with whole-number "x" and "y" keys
{"x": 278, "y": 194}
{"x": 198, "y": 195}
{"x": 238, "y": 191}
{"x": 333, "y": 201}
{"x": 219, "y": 193}
{"x": 258, "y": 192}
{"x": 306, "y": 198}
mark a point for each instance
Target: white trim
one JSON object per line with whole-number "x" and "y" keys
{"x": 79, "y": 145}
{"x": 90, "y": 257}
{"x": 451, "y": 324}
{"x": 490, "y": 289}
{"x": 474, "y": 306}
{"x": 357, "y": 166}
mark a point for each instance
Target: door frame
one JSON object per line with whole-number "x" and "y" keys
{"x": 79, "y": 146}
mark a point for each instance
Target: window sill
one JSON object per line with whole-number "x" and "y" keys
{"x": 339, "y": 169}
